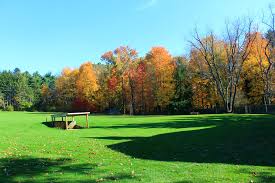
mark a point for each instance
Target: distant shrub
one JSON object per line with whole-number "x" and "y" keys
{"x": 10, "y": 108}
{"x": 51, "y": 108}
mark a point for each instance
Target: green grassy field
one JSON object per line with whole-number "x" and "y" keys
{"x": 203, "y": 148}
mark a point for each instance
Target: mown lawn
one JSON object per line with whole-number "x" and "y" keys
{"x": 203, "y": 148}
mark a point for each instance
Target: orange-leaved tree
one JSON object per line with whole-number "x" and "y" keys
{"x": 256, "y": 72}
{"x": 161, "y": 67}
{"x": 86, "y": 85}
{"x": 122, "y": 63}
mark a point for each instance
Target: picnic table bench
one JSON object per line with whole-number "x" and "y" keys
{"x": 72, "y": 115}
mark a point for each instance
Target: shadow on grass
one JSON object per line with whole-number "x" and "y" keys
{"x": 60, "y": 125}
{"x": 38, "y": 113}
{"x": 48, "y": 124}
{"x": 193, "y": 121}
{"x": 244, "y": 140}
{"x": 30, "y": 169}
{"x": 261, "y": 176}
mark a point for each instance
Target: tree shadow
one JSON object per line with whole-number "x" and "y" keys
{"x": 190, "y": 121}
{"x": 27, "y": 167}
{"x": 38, "y": 113}
{"x": 247, "y": 140}
{"x": 260, "y": 176}
{"x": 30, "y": 169}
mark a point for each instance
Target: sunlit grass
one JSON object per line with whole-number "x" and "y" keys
{"x": 203, "y": 148}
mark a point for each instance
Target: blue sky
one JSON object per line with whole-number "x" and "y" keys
{"x": 48, "y": 35}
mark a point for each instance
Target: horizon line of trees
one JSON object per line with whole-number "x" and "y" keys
{"x": 220, "y": 72}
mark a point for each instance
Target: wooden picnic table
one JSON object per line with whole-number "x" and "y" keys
{"x": 72, "y": 114}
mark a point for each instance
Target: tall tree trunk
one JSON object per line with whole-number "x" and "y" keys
{"x": 142, "y": 98}
{"x": 132, "y": 102}
{"x": 265, "y": 104}
{"x": 123, "y": 97}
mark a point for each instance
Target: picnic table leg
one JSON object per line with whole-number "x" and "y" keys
{"x": 87, "y": 122}
{"x": 66, "y": 121}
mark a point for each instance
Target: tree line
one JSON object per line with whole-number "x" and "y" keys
{"x": 220, "y": 72}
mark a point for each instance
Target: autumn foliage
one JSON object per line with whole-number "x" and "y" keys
{"x": 76, "y": 88}
{"x": 158, "y": 82}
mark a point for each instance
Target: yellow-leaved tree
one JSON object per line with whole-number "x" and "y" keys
{"x": 66, "y": 88}
{"x": 86, "y": 84}
{"x": 256, "y": 72}
{"x": 161, "y": 68}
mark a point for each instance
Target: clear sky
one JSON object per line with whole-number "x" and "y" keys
{"x": 47, "y": 35}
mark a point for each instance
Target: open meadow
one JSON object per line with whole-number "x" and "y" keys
{"x": 191, "y": 148}
{"x": 137, "y": 91}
